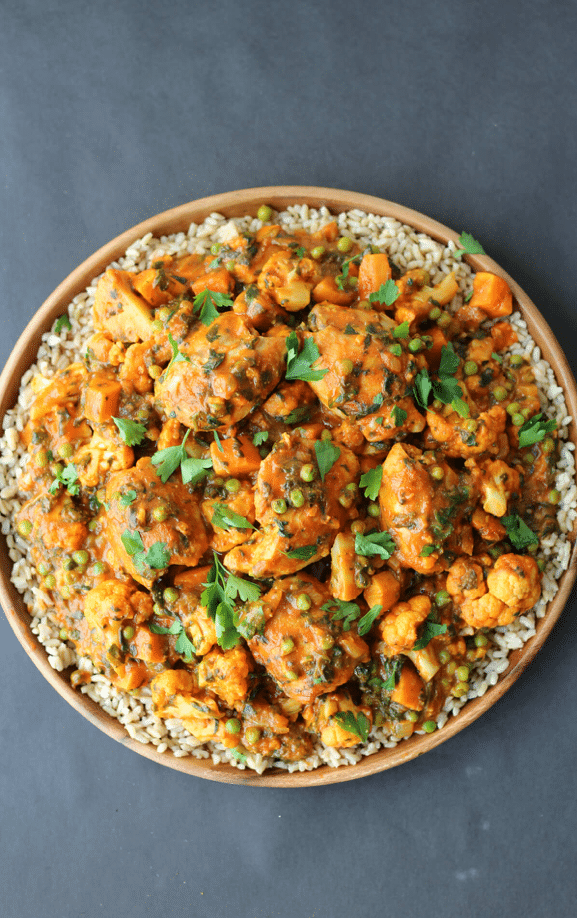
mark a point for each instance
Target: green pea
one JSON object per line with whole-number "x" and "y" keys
{"x": 65, "y": 592}
{"x": 233, "y": 725}
{"x": 361, "y": 580}
{"x": 50, "y": 582}
{"x": 327, "y": 642}
{"x": 499, "y": 393}
{"x": 63, "y": 634}
{"x": 444, "y": 320}
{"x": 279, "y": 505}
{"x": 528, "y": 458}
{"x": 513, "y": 408}
{"x": 163, "y": 313}
{"x": 437, "y": 473}
{"x": 230, "y": 265}
{"x": 434, "y": 313}
{"x": 460, "y": 689}
{"x": 215, "y": 248}
{"x": 554, "y": 496}
{"x": 80, "y": 557}
{"x": 232, "y": 485}
{"x": 24, "y": 528}
{"x": 326, "y": 435}
{"x": 65, "y": 451}
{"x": 353, "y": 281}
{"x": 170, "y": 595}
{"x": 99, "y": 568}
{"x": 345, "y": 366}
{"x": 67, "y": 564}
{"x": 318, "y": 252}
{"x": 290, "y": 675}
{"x": 395, "y": 349}
{"x": 307, "y": 472}
{"x": 160, "y": 513}
{"x": 526, "y": 412}
{"x": 470, "y": 368}
{"x": 471, "y": 425}
{"x": 516, "y": 360}
{"x": 374, "y": 510}
{"x": 297, "y": 497}
{"x": 264, "y": 213}
{"x": 413, "y": 716}
{"x": 518, "y": 420}
{"x": 303, "y": 602}
{"x": 287, "y": 646}
{"x": 93, "y": 525}
{"x": 157, "y": 608}
{"x": 42, "y": 459}
{"x": 437, "y": 405}
{"x": 157, "y": 325}
{"x": 548, "y": 445}
{"x": 128, "y": 633}
{"x": 481, "y": 640}
{"x": 442, "y": 598}
{"x": 429, "y": 726}
{"x": 416, "y": 345}
{"x": 252, "y": 735}
{"x": 154, "y": 371}
{"x": 462, "y": 673}
{"x": 42, "y": 569}
{"x": 344, "y": 244}
{"x": 444, "y": 656}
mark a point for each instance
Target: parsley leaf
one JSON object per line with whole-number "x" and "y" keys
{"x": 327, "y": 454}
{"x": 299, "y": 366}
{"x": 304, "y": 553}
{"x": 534, "y": 430}
{"x": 347, "y": 612}
{"x": 131, "y": 432}
{"x": 428, "y": 550}
{"x": 446, "y": 388}
{"x": 225, "y": 518}
{"x": 127, "y": 499}
{"x": 246, "y": 591}
{"x": 470, "y": 246}
{"x": 399, "y": 415}
{"x": 177, "y": 357}
{"x": 169, "y": 459}
{"x": 221, "y": 590}
{"x": 158, "y": 556}
{"x": 260, "y": 437}
{"x": 183, "y": 644}
{"x": 375, "y": 543}
{"x": 371, "y": 482}
{"x": 298, "y": 415}
{"x": 386, "y": 294}
{"x": 208, "y": 302}
{"x": 68, "y": 478}
{"x": 430, "y": 630}
{"x": 422, "y": 388}
{"x": 194, "y": 470}
{"x": 449, "y": 361}
{"x": 343, "y": 277}
{"x": 62, "y": 322}
{"x": 132, "y": 542}
{"x": 368, "y": 620}
{"x": 359, "y": 726}
{"x": 518, "y": 533}
{"x": 401, "y": 331}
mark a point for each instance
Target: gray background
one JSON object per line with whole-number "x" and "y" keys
{"x": 109, "y": 114}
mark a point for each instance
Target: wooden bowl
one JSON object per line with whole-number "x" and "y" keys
{"x": 231, "y": 204}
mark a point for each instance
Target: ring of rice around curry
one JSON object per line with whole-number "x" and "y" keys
{"x": 284, "y": 490}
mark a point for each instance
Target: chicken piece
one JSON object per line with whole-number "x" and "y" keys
{"x": 259, "y": 309}
{"x": 366, "y": 378}
{"x": 322, "y": 717}
{"x": 516, "y": 581}
{"x": 313, "y": 513}
{"x": 302, "y": 646}
{"x": 175, "y": 693}
{"x": 61, "y": 393}
{"x": 398, "y": 629}
{"x": 57, "y": 524}
{"x": 291, "y": 402}
{"x": 280, "y": 277}
{"x": 226, "y": 674}
{"x": 457, "y": 440}
{"x": 227, "y": 370}
{"x": 118, "y": 310}
{"x": 105, "y": 453}
{"x": 265, "y": 730}
{"x": 145, "y": 512}
{"x": 419, "y": 511}
{"x": 198, "y": 625}
{"x": 496, "y": 481}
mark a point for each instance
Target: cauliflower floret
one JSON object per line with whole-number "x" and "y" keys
{"x": 175, "y": 694}
{"x": 456, "y": 438}
{"x": 226, "y": 674}
{"x": 465, "y": 580}
{"x": 104, "y": 453}
{"x": 496, "y": 481}
{"x": 320, "y": 718}
{"x": 516, "y": 581}
{"x": 399, "y": 628}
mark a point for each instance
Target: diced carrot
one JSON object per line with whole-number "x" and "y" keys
{"x": 267, "y": 232}
{"x": 434, "y": 352}
{"x": 328, "y": 233}
{"x": 149, "y": 646}
{"x": 491, "y": 294}
{"x": 192, "y": 578}
{"x": 237, "y": 456}
{"x": 327, "y": 291}
{"x": 102, "y": 398}
{"x": 157, "y": 287}
{"x": 342, "y": 585}
{"x": 219, "y": 281}
{"x": 130, "y": 675}
{"x": 503, "y": 335}
{"x": 408, "y": 689}
{"x": 119, "y": 310}
{"x": 383, "y": 590}
{"x": 374, "y": 271}
{"x": 443, "y": 292}
{"x": 190, "y": 267}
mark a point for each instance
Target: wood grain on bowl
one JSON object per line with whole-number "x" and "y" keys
{"x": 233, "y": 204}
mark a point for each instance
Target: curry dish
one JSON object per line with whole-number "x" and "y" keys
{"x": 289, "y": 490}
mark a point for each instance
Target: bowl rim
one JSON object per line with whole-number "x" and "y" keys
{"x": 177, "y": 219}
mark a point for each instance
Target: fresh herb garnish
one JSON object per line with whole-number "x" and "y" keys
{"x": 131, "y": 432}
{"x": 62, "y": 322}
{"x": 127, "y": 499}
{"x": 157, "y": 556}
{"x": 238, "y": 755}
{"x": 446, "y": 388}
{"x": 260, "y": 437}
{"x": 368, "y": 620}
{"x": 177, "y": 357}
{"x": 534, "y": 430}
{"x": 468, "y": 296}
{"x": 399, "y": 415}
{"x": 221, "y": 591}
{"x": 469, "y": 246}
{"x": 518, "y": 533}
{"x": 327, "y": 454}
{"x": 339, "y": 610}
{"x": 371, "y": 482}
{"x": 208, "y": 302}
{"x": 304, "y": 553}
{"x": 217, "y": 441}
{"x": 183, "y": 643}
{"x": 225, "y": 518}
{"x": 299, "y": 366}
{"x": 342, "y": 278}
{"x": 401, "y": 331}
{"x": 428, "y": 550}
{"x": 374, "y": 543}
{"x": 298, "y": 415}
{"x": 67, "y": 478}
{"x": 389, "y": 684}
{"x": 431, "y": 629}
{"x": 359, "y": 726}
{"x": 386, "y": 294}
{"x": 169, "y": 459}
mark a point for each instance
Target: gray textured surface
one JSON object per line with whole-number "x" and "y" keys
{"x": 466, "y": 112}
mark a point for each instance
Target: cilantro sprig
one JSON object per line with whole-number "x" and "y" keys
{"x": 342, "y": 278}
{"x": 534, "y": 430}
{"x": 371, "y": 482}
{"x": 157, "y": 557}
{"x": 169, "y": 459}
{"x": 66, "y": 478}
{"x": 369, "y": 619}
{"x": 299, "y": 366}
{"x": 208, "y": 302}
{"x": 386, "y": 295}
{"x": 131, "y": 432}
{"x": 177, "y": 356}
{"x": 375, "y": 543}
{"x": 183, "y": 643}
{"x": 339, "y": 610}
{"x": 225, "y": 518}
{"x": 327, "y": 454}
{"x": 304, "y": 553}
{"x": 359, "y": 726}
{"x": 445, "y": 388}
{"x": 222, "y": 589}
{"x": 430, "y": 630}
{"x": 518, "y": 533}
{"x": 469, "y": 246}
